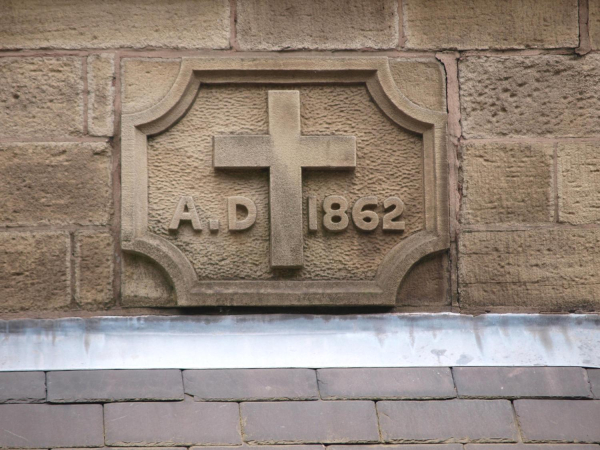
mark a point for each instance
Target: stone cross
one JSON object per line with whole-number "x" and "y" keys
{"x": 285, "y": 152}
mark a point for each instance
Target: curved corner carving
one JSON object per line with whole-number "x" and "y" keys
{"x": 374, "y": 72}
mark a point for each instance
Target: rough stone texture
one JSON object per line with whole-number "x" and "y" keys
{"x": 531, "y": 447}
{"x": 309, "y": 422}
{"x": 594, "y": 23}
{"x": 518, "y": 96}
{"x": 138, "y": 74}
{"x": 55, "y": 184}
{"x": 578, "y": 182}
{"x": 511, "y": 382}
{"x": 480, "y": 24}
{"x": 22, "y": 387}
{"x": 544, "y": 269}
{"x": 113, "y": 23}
{"x": 423, "y": 81}
{"x": 507, "y": 183}
{"x": 447, "y": 421}
{"x": 40, "y": 96}
{"x": 180, "y": 423}
{"x": 101, "y": 91}
{"x": 143, "y": 282}
{"x": 398, "y": 447}
{"x": 180, "y": 163}
{"x": 312, "y": 24}
{"x": 385, "y": 383}
{"x": 266, "y": 447}
{"x": 93, "y": 268}
{"x": 251, "y": 384}
{"x": 426, "y": 284}
{"x": 594, "y": 377}
{"x": 39, "y": 426}
{"x": 559, "y": 420}
{"x": 114, "y": 385}
{"x": 34, "y": 271}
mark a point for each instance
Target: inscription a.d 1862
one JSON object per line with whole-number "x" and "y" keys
{"x": 284, "y": 181}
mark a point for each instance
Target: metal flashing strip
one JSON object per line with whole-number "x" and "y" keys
{"x": 314, "y": 341}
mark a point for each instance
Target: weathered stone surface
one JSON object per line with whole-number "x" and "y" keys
{"x": 447, "y": 421}
{"x": 144, "y": 283}
{"x": 22, "y": 387}
{"x": 266, "y": 447}
{"x": 113, "y": 23}
{"x": 594, "y": 377}
{"x": 578, "y": 182}
{"x": 477, "y": 24}
{"x": 251, "y": 384}
{"x": 43, "y": 426}
{"x": 385, "y": 383}
{"x": 559, "y": 420}
{"x": 507, "y": 183}
{"x": 543, "y": 270}
{"x": 426, "y": 284}
{"x": 55, "y": 184}
{"x": 511, "y": 382}
{"x": 114, "y": 385}
{"x": 335, "y": 24}
{"x": 178, "y": 423}
{"x": 517, "y": 96}
{"x": 594, "y": 23}
{"x": 34, "y": 271}
{"x": 531, "y": 447}
{"x": 40, "y": 96}
{"x": 100, "y": 73}
{"x": 138, "y": 74}
{"x": 398, "y": 447}
{"x": 423, "y": 81}
{"x": 93, "y": 268}
{"x": 309, "y": 422}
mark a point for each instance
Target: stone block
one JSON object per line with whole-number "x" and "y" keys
{"x": 398, "y": 447}
{"x": 114, "y": 385}
{"x": 55, "y": 184}
{"x": 423, "y": 81}
{"x": 109, "y": 24}
{"x": 447, "y": 421}
{"x": 559, "y": 420}
{"x": 579, "y": 182}
{"x": 385, "y": 383}
{"x": 481, "y": 24}
{"x": 594, "y": 23}
{"x": 334, "y": 24}
{"x": 93, "y": 269}
{"x": 507, "y": 183}
{"x": 101, "y": 92}
{"x": 34, "y": 271}
{"x": 177, "y": 423}
{"x": 529, "y": 96}
{"x": 251, "y": 384}
{"x": 309, "y": 422}
{"x": 22, "y": 387}
{"x": 40, "y": 97}
{"x": 513, "y": 382}
{"x": 552, "y": 269}
{"x": 594, "y": 377}
{"x": 144, "y": 283}
{"x": 138, "y": 74}
{"x": 543, "y": 446}
{"x": 426, "y": 284}
{"x": 43, "y": 426}
{"x": 266, "y": 447}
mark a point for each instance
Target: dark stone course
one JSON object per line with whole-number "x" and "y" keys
{"x": 179, "y": 423}
{"x": 22, "y": 387}
{"x": 559, "y": 420}
{"x": 515, "y": 382}
{"x": 309, "y": 422}
{"x": 386, "y": 383}
{"x": 251, "y": 384}
{"x": 47, "y": 426}
{"x": 114, "y": 385}
{"x": 447, "y": 421}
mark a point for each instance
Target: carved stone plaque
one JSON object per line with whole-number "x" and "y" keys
{"x": 284, "y": 181}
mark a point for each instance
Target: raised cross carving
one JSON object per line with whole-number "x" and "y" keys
{"x": 285, "y": 152}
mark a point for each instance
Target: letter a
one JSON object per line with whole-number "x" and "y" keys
{"x": 185, "y": 202}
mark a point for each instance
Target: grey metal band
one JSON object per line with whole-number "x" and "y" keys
{"x": 260, "y": 341}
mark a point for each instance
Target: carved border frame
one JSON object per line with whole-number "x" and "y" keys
{"x": 372, "y": 71}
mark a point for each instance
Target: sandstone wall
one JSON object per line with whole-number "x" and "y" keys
{"x": 521, "y": 81}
